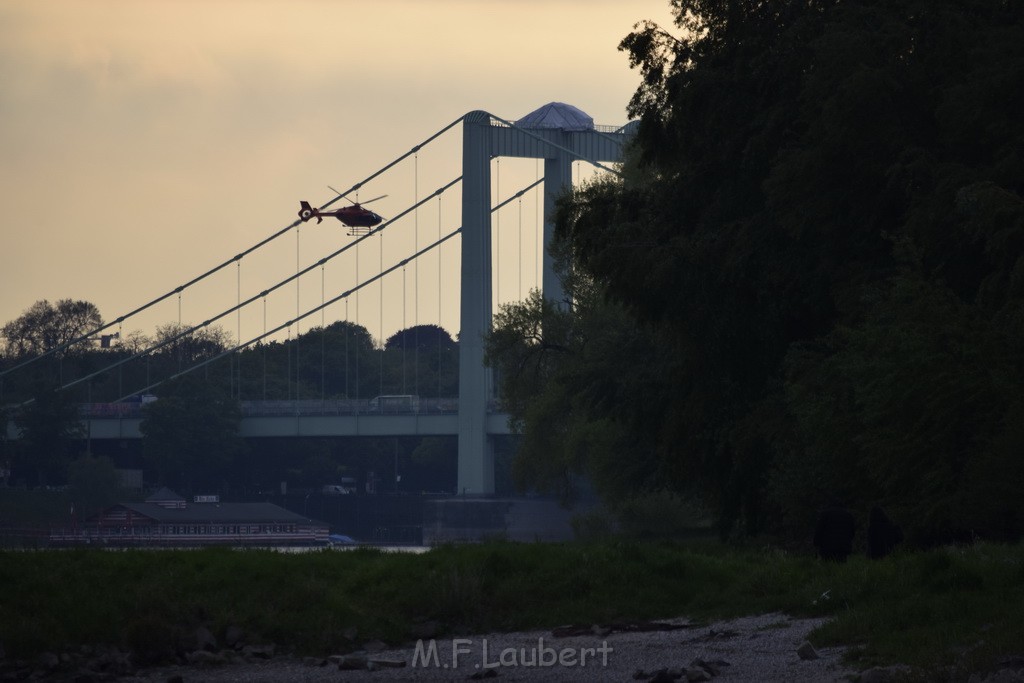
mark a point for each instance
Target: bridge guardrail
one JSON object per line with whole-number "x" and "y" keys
{"x": 279, "y": 408}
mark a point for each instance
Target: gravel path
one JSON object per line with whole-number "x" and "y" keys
{"x": 762, "y": 648}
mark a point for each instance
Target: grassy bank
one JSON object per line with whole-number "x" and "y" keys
{"x": 928, "y": 609}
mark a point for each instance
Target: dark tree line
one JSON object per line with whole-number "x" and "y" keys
{"x": 340, "y": 360}
{"x": 809, "y": 282}
{"x": 190, "y": 432}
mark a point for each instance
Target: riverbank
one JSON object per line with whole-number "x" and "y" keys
{"x": 953, "y": 607}
{"x": 765, "y": 648}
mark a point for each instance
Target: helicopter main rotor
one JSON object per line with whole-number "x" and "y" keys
{"x": 355, "y": 202}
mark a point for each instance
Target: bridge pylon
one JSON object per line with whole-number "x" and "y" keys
{"x": 559, "y": 134}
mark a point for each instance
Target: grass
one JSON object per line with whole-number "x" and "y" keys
{"x": 961, "y": 607}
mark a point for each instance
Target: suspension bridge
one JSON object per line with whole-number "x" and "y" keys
{"x": 556, "y": 137}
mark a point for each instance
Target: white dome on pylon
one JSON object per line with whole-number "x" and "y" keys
{"x": 557, "y": 115}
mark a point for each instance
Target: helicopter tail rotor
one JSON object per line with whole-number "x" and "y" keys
{"x": 306, "y": 212}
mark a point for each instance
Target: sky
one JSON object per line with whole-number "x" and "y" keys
{"x": 144, "y": 143}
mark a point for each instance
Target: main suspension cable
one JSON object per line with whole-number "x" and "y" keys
{"x": 282, "y": 283}
{"x": 344, "y": 295}
{"x": 225, "y": 264}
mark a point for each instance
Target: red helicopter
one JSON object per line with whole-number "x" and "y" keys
{"x": 354, "y": 216}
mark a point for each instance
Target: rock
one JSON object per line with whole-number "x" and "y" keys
{"x": 806, "y": 651}
{"x": 999, "y": 676}
{"x": 386, "y": 662}
{"x": 206, "y": 658}
{"x": 49, "y": 661}
{"x": 89, "y": 676}
{"x": 314, "y": 661}
{"x": 727, "y": 633}
{"x": 663, "y": 676}
{"x": 875, "y": 674}
{"x": 600, "y": 631}
{"x": 881, "y": 674}
{"x": 640, "y": 675}
{"x": 352, "y": 663}
{"x": 375, "y": 646}
{"x": 205, "y": 639}
{"x": 713, "y": 667}
{"x": 696, "y": 673}
{"x": 486, "y": 673}
{"x": 259, "y": 651}
{"x": 233, "y": 636}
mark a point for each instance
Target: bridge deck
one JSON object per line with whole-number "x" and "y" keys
{"x": 301, "y": 418}
{"x": 318, "y": 425}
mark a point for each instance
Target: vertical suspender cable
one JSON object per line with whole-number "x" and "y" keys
{"x": 348, "y": 394}
{"x": 323, "y": 342}
{"x": 218, "y": 268}
{"x": 404, "y": 336}
{"x": 538, "y": 197}
{"x": 120, "y": 387}
{"x": 178, "y": 345}
{"x": 238, "y": 328}
{"x": 416, "y": 281}
{"x": 357, "y": 318}
{"x": 298, "y": 312}
{"x": 497, "y": 237}
{"x": 439, "y": 328}
{"x": 380, "y": 314}
{"x": 264, "y": 349}
{"x": 519, "y": 250}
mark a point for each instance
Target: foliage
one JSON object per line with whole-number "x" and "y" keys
{"x": 48, "y": 428}
{"x": 188, "y": 346}
{"x": 190, "y": 435}
{"x": 93, "y": 484}
{"x": 421, "y": 337}
{"x": 553, "y": 368}
{"x": 337, "y": 361}
{"x": 915, "y": 608}
{"x": 820, "y": 234}
{"x": 46, "y": 327}
{"x": 661, "y": 514}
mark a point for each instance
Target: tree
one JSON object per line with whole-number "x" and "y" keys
{"x": 45, "y": 327}
{"x": 190, "y": 434}
{"x": 187, "y": 347}
{"x": 421, "y": 337}
{"x": 581, "y": 385}
{"x": 93, "y": 483}
{"x": 48, "y": 427}
{"x": 821, "y": 221}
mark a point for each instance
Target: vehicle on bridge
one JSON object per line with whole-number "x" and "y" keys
{"x": 347, "y": 486}
{"x": 398, "y": 403}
